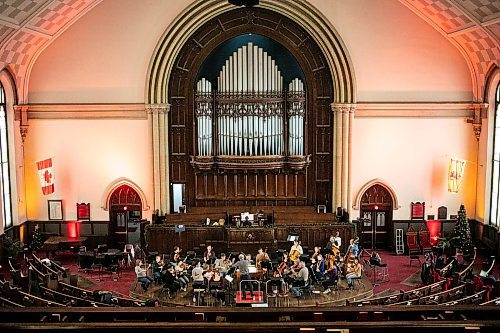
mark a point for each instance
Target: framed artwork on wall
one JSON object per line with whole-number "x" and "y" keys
{"x": 55, "y": 210}
{"x": 83, "y": 211}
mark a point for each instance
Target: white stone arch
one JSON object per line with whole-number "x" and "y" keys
{"x": 364, "y": 188}
{"x": 117, "y": 183}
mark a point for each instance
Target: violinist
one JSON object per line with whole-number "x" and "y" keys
{"x": 169, "y": 279}
{"x": 353, "y": 247}
{"x": 181, "y": 274}
{"x": 209, "y": 255}
{"x": 318, "y": 267}
{"x": 317, "y": 251}
{"x": 296, "y": 250}
{"x": 216, "y": 286}
{"x": 176, "y": 255}
{"x": 223, "y": 264}
{"x": 158, "y": 266}
{"x": 142, "y": 276}
{"x": 329, "y": 245}
{"x": 300, "y": 277}
{"x": 338, "y": 239}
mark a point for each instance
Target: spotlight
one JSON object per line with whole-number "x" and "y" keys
{"x": 247, "y": 3}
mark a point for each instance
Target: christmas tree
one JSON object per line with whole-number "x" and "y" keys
{"x": 462, "y": 232}
{"x": 36, "y": 244}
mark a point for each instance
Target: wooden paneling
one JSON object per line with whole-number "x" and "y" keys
{"x": 163, "y": 238}
{"x": 266, "y": 187}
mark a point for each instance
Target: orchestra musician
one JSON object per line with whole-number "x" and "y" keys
{"x": 223, "y": 264}
{"x": 181, "y": 274}
{"x": 296, "y": 250}
{"x": 318, "y": 267}
{"x": 331, "y": 279}
{"x": 353, "y": 247}
{"x": 353, "y": 272}
{"x": 300, "y": 277}
{"x": 261, "y": 256}
{"x": 338, "y": 239}
{"x": 157, "y": 267}
{"x": 176, "y": 255}
{"x": 317, "y": 251}
{"x": 209, "y": 255}
{"x": 142, "y": 276}
{"x": 169, "y": 279}
{"x": 282, "y": 266}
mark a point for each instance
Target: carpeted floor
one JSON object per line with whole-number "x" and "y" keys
{"x": 402, "y": 276}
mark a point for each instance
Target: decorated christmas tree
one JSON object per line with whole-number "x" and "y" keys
{"x": 462, "y": 232}
{"x": 36, "y": 244}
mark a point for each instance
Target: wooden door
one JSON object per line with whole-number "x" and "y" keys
{"x": 124, "y": 205}
{"x": 376, "y": 215}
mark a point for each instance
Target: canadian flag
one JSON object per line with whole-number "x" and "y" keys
{"x": 46, "y": 174}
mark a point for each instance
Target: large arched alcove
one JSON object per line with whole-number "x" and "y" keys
{"x": 261, "y": 187}
{"x": 313, "y": 42}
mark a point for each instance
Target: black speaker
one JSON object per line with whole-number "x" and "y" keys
{"x": 248, "y": 3}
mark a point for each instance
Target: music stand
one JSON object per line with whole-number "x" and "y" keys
{"x": 292, "y": 238}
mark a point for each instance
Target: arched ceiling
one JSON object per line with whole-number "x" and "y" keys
{"x": 28, "y": 26}
{"x": 473, "y": 26}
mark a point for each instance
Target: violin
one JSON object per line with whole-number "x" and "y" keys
{"x": 280, "y": 269}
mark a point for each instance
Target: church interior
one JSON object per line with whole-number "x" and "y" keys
{"x": 250, "y": 165}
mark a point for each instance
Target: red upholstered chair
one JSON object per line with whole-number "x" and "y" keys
{"x": 425, "y": 239}
{"x": 413, "y": 247}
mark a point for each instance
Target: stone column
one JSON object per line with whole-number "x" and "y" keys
{"x": 158, "y": 119}
{"x": 343, "y": 118}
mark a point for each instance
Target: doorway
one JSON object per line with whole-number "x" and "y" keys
{"x": 178, "y": 194}
{"x": 376, "y": 218}
{"x": 125, "y": 210}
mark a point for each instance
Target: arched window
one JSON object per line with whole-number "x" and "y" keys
{"x": 495, "y": 175}
{"x": 4, "y": 163}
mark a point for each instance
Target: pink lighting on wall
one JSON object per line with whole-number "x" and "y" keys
{"x": 73, "y": 229}
{"x": 434, "y": 226}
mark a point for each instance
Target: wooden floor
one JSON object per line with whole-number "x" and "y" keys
{"x": 362, "y": 289}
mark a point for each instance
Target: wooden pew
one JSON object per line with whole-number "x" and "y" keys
{"x": 435, "y": 298}
{"x": 67, "y": 289}
{"x": 56, "y": 296}
{"x": 4, "y": 302}
{"x": 476, "y": 298}
{"x": 495, "y": 301}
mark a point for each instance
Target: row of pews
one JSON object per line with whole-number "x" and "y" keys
{"x": 48, "y": 284}
{"x": 454, "y": 292}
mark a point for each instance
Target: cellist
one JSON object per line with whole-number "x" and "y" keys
{"x": 296, "y": 250}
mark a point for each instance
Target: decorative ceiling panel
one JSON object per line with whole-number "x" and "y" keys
{"x": 442, "y": 13}
{"x": 481, "y": 9}
{"x": 57, "y": 14}
{"x": 5, "y": 31}
{"x": 17, "y": 11}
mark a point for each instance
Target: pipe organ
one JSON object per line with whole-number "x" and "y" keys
{"x": 250, "y": 121}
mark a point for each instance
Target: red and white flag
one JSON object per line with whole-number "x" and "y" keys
{"x": 46, "y": 174}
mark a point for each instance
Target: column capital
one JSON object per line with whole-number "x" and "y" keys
{"x": 480, "y": 112}
{"x": 157, "y": 108}
{"x": 343, "y": 107}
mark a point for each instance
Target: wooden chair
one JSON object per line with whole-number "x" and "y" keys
{"x": 413, "y": 247}
{"x": 425, "y": 239}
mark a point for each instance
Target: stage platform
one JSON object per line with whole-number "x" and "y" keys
{"x": 362, "y": 289}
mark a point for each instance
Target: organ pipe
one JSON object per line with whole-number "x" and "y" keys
{"x": 251, "y": 107}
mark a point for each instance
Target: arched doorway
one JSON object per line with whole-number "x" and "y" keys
{"x": 124, "y": 205}
{"x": 376, "y": 214}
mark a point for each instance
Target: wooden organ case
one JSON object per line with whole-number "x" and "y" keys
{"x": 248, "y": 136}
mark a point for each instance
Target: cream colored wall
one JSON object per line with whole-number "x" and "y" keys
{"x": 104, "y": 57}
{"x": 411, "y": 156}
{"x": 396, "y": 55}
{"x": 87, "y": 156}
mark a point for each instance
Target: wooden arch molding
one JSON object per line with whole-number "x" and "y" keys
{"x": 362, "y": 191}
{"x": 299, "y": 11}
{"x": 115, "y": 185}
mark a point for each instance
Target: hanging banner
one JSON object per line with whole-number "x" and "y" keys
{"x": 455, "y": 174}
{"x": 46, "y": 175}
